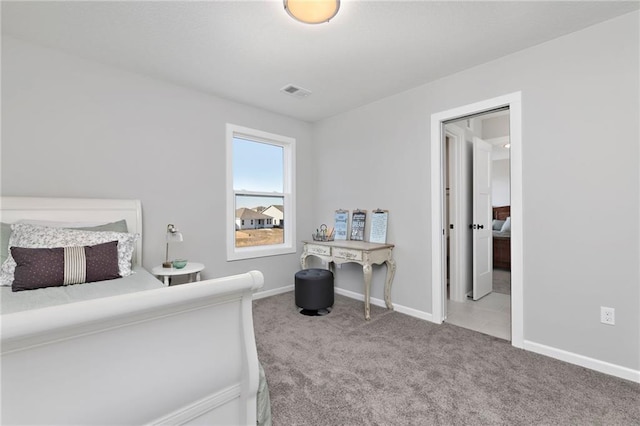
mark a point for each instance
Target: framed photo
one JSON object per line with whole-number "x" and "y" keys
{"x": 358, "y": 222}
{"x": 378, "y": 231}
{"x": 341, "y": 226}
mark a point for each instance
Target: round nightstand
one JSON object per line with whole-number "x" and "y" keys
{"x": 192, "y": 269}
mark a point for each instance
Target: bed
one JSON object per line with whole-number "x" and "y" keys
{"x": 502, "y": 237}
{"x": 155, "y": 355}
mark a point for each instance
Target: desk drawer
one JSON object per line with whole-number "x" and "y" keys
{"x": 319, "y": 250}
{"x": 348, "y": 254}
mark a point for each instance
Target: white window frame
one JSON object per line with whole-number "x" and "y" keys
{"x": 289, "y": 154}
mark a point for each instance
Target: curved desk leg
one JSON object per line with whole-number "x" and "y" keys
{"x": 331, "y": 266}
{"x": 391, "y": 270}
{"x": 368, "y": 272}
{"x": 303, "y": 261}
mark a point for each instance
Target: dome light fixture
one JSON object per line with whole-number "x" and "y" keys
{"x": 312, "y": 11}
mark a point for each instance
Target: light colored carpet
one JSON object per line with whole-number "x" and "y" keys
{"x": 502, "y": 281}
{"x": 339, "y": 369}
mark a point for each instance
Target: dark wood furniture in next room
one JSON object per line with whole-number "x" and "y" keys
{"x": 502, "y": 240}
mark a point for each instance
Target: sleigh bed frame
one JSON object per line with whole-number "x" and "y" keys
{"x": 173, "y": 355}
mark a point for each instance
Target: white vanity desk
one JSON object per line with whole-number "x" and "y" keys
{"x": 363, "y": 253}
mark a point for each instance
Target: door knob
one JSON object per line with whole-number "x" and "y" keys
{"x": 480, "y": 226}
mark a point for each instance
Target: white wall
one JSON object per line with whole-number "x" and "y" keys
{"x": 579, "y": 96}
{"x": 76, "y": 128}
{"x": 500, "y": 183}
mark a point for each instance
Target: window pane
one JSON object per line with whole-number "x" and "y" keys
{"x": 257, "y": 166}
{"x": 259, "y": 221}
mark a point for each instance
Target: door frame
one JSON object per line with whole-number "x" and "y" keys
{"x": 438, "y": 255}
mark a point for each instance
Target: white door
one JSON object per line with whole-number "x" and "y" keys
{"x": 482, "y": 223}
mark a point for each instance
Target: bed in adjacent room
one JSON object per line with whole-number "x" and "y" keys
{"x": 111, "y": 344}
{"x": 502, "y": 237}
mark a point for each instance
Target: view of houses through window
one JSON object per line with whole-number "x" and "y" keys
{"x": 261, "y": 224}
{"x": 258, "y": 183}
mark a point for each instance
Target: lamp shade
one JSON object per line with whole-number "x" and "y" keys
{"x": 312, "y": 11}
{"x": 173, "y": 235}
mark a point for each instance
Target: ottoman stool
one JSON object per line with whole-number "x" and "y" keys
{"x": 314, "y": 291}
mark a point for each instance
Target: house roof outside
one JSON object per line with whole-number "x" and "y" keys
{"x": 248, "y": 214}
{"x": 275, "y": 206}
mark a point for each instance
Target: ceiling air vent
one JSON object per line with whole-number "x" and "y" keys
{"x": 295, "y": 91}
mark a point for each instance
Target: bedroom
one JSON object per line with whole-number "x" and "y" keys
{"x": 137, "y": 136}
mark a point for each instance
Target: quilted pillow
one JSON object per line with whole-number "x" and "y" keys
{"x": 52, "y": 267}
{"x": 35, "y": 236}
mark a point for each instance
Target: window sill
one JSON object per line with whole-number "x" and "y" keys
{"x": 257, "y": 252}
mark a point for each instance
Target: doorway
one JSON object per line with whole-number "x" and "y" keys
{"x": 477, "y": 222}
{"x": 439, "y": 232}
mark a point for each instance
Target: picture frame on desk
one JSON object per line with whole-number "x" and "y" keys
{"x": 378, "y": 231}
{"x": 358, "y": 223}
{"x": 341, "y": 225}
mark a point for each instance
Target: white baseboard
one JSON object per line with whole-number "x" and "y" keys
{"x": 583, "y": 361}
{"x": 379, "y": 302}
{"x": 267, "y": 293}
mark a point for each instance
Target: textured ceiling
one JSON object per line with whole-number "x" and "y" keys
{"x": 247, "y": 50}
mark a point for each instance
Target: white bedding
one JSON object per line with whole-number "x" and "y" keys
{"x": 44, "y": 297}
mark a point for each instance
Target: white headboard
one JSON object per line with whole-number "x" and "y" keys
{"x": 13, "y": 209}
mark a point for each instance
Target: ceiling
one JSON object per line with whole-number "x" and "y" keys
{"x": 248, "y": 50}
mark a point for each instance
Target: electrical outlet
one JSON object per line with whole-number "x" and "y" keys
{"x": 607, "y": 315}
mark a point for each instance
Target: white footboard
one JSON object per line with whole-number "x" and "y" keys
{"x": 176, "y": 355}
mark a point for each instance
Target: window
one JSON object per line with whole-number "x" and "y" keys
{"x": 260, "y": 193}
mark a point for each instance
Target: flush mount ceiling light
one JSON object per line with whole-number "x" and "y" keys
{"x": 312, "y": 11}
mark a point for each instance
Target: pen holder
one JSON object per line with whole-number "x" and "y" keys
{"x": 323, "y": 234}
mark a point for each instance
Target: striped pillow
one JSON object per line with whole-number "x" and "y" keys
{"x": 52, "y": 267}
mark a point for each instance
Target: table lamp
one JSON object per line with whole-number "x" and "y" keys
{"x": 173, "y": 236}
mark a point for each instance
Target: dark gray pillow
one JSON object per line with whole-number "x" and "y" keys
{"x": 53, "y": 267}
{"x": 119, "y": 226}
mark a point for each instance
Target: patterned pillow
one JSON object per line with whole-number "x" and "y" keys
{"x": 52, "y": 267}
{"x": 35, "y": 236}
{"x": 119, "y": 226}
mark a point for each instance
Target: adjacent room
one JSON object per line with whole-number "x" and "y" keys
{"x": 374, "y": 212}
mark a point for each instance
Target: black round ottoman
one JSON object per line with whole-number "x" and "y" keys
{"x": 314, "y": 291}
